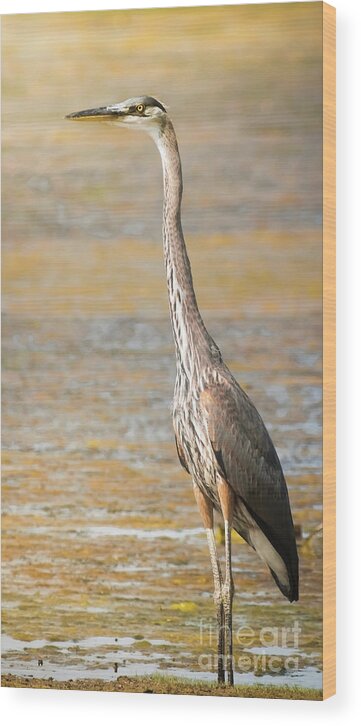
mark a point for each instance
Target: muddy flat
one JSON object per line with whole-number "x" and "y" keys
{"x": 167, "y": 686}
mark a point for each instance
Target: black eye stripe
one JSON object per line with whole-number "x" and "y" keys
{"x": 148, "y": 103}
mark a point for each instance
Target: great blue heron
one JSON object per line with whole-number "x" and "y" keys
{"x": 220, "y": 437}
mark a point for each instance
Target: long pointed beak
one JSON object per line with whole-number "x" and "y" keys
{"x": 103, "y": 111}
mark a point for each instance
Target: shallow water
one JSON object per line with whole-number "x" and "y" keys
{"x": 104, "y": 559}
{"x": 101, "y": 536}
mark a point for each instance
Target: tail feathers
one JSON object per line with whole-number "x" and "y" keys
{"x": 285, "y": 573}
{"x": 291, "y": 592}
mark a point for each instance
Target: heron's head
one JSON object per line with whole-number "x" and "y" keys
{"x": 142, "y": 112}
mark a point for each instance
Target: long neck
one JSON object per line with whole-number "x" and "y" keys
{"x": 191, "y": 338}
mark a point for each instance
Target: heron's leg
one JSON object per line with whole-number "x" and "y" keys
{"x": 218, "y": 600}
{"x": 226, "y": 497}
{"x": 206, "y": 511}
{"x": 228, "y": 591}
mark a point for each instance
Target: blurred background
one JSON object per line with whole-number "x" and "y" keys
{"x": 104, "y": 558}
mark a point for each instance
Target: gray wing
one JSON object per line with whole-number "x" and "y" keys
{"x": 246, "y": 458}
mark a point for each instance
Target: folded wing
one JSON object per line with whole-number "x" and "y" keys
{"x": 247, "y": 460}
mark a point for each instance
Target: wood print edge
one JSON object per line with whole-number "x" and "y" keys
{"x": 329, "y": 350}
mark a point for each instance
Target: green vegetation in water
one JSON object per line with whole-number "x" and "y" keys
{"x": 169, "y": 685}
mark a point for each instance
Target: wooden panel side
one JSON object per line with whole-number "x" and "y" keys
{"x": 329, "y": 350}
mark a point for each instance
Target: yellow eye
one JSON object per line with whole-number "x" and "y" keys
{"x": 140, "y": 108}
